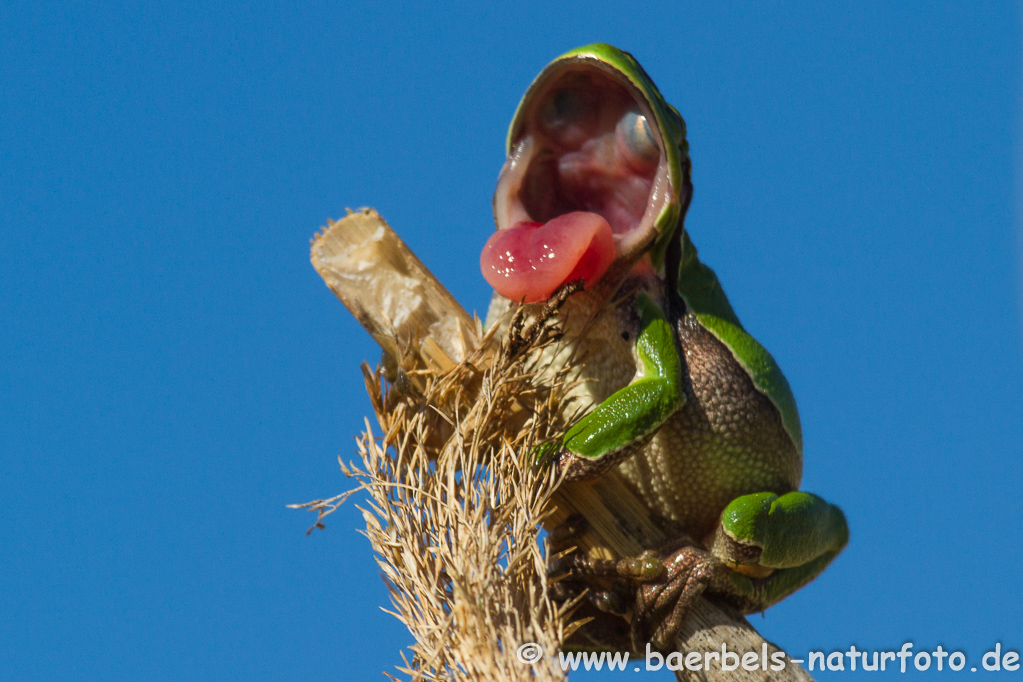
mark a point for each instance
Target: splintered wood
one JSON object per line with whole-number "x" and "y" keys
{"x": 465, "y": 571}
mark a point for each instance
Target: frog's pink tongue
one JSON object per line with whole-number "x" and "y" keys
{"x": 531, "y": 260}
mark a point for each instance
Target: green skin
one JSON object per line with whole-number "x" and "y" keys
{"x": 706, "y": 430}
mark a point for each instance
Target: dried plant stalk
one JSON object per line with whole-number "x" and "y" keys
{"x": 455, "y": 503}
{"x": 389, "y": 290}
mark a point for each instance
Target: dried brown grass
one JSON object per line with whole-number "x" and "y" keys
{"x": 455, "y": 507}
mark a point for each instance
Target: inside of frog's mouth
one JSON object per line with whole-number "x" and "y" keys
{"x": 585, "y": 143}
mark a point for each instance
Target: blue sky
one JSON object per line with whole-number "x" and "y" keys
{"x": 173, "y": 372}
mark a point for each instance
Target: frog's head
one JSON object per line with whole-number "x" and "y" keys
{"x": 597, "y": 174}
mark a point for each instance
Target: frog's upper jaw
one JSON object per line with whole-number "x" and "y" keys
{"x": 589, "y": 167}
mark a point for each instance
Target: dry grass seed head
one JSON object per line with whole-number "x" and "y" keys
{"x": 454, "y": 521}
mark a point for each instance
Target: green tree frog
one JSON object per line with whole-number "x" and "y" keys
{"x": 692, "y": 411}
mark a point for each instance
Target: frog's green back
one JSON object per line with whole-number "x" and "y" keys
{"x": 699, "y": 287}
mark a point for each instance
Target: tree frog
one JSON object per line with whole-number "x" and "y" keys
{"x": 692, "y": 411}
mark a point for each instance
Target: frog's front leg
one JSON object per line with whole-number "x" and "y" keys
{"x": 626, "y": 420}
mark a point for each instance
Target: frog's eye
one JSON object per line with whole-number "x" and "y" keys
{"x": 636, "y": 139}
{"x": 567, "y": 115}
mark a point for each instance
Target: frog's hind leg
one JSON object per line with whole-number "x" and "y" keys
{"x": 776, "y": 544}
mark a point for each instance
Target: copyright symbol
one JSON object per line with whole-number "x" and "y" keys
{"x": 529, "y": 653}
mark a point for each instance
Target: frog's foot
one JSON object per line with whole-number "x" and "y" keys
{"x": 603, "y": 592}
{"x": 654, "y": 587}
{"x": 661, "y": 606}
{"x": 565, "y": 534}
{"x": 576, "y": 468}
{"x": 608, "y": 585}
{"x": 644, "y": 568}
{"x": 541, "y": 328}
{"x": 655, "y": 590}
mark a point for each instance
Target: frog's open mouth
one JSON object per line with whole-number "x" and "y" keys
{"x": 583, "y": 184}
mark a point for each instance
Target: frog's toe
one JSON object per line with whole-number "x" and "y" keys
{"x": 575, "y": 577}
{"x": 575, "y": 468}
{"x": 645, "y": 568}
{"x": 662, "y": 606}
{"x": 565, "y": 534}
